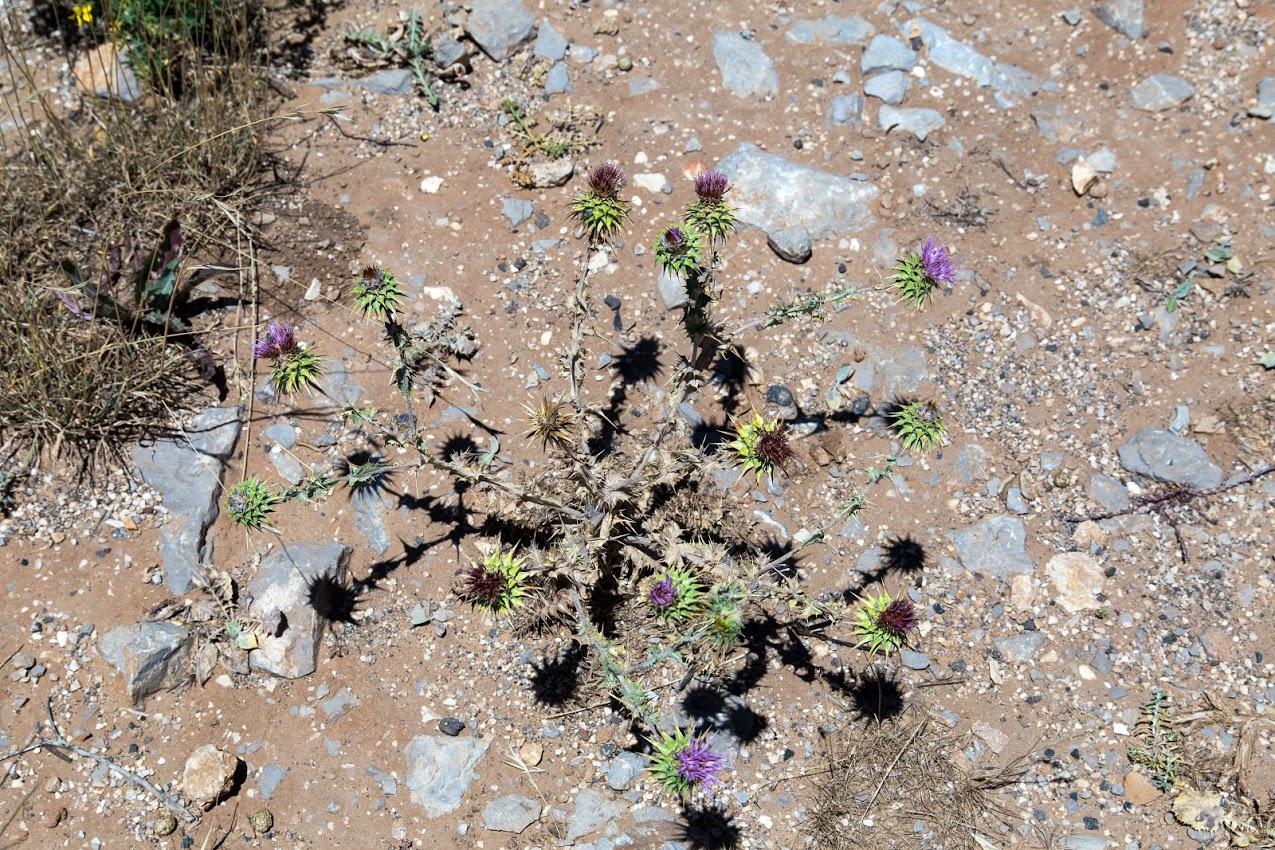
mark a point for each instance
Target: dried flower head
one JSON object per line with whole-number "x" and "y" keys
{"x": 682, "y": 762}
{"x": 599, "y": 208}
{"x": 550, "y": 423}
{"x": 919, "y": 425}
{"x": 377, "y": 292}
{"x": 607, "y": 180}
{"x": 885, "y": 624}
{"x": 278, "y": 341}
{"x": 249, "y": 503}
{"x": 920, "y": 273}
{"x": 762, "y": 446}
{"x": 497, "y": 583}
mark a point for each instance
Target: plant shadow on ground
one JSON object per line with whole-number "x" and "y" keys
{"x": 707, "y": 826}
{"x": 555, "y": 681}
{"x": 335, "y": 602}
{"x": 639, "y": 364}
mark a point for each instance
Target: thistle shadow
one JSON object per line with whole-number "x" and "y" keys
{"x": 555, "y": 682}
{"x": 708, "y": 827}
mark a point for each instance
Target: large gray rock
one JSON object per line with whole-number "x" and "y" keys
{"x": 995, "y": 546}
{"x": 771, "y": 193}
{"x": 592, "y": 812}
{"x": 290, "y": 581}
{"x": 903, "y": 370}
{"x": 499, "y": 26}
{"x": 831, "y": 30}
{"x": 745, "y": 68}
{"x": 886, "y": 53}
{"x": 1123, "y": 16}
{"x": 672, "y": 290}
{"x": 1160, "y": 454}
{"x": 550, "y": 44}
{"x": 369, "y": 518}
{"x": 186, "y": 471}
{"x": 846, "y": 111}
{"x": 1265, "y": 98}
{"x": 511, "y": 813}
{"x": 151, "y": 657}
{"x": 440, "y": 769}
{"x": 1159, "y": 92}
{"x": 791, "y": 244}
{"x": 890, "y": 87}
{"x": 625, "y": 769}
{"x": 1013, "y": 85}
{"x": 953, "y": 56}
{"x": 919, "y": 122}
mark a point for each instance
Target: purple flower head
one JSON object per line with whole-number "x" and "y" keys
{"x": 607, "y": 179}
{"x": 898, "y": 618}
{"x": 699, "y": 765}
{"x": 277, "y": 341}
{"x": 937, "y": 262}
{"x": 663, "y": 594}
{"x": 711, "y": 186}
{"x": 674, "y": 239}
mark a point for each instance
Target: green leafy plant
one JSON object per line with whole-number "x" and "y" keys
{"x": 408, "y": 46}
{"x": 599, "y": 209}
{"x": 920, "y": 273}
{"x": 675, "y": 596}
{"x": 680, "y": 250}
{"x": 1159, "y": 750}
{"x": 884, "y": 623}
{"x": 294, "y": 367}
{"x": 918, "y": 425}
{"x": 376, "y": 293}
{"x": 249, "y": 503}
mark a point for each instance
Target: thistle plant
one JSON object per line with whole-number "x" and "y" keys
{"x": 710, "y": 214}
{"x": 599, "y": 209}
{"x": 761, "y": 446}
{"x": 550, "y": 422}
{"x": 294, "y": 368}
{"x": 921, "y": 272}
{"x": 496, "y": 583}
{"x": 249, "y": 503}
{"x": 918, "y": 425}
{"x": 885, "y": 624}
{"x": 676, "y": 596}
{"x": 376, "y": 293}
{"x": 683, "y": 762}
{"x": 680, "y": 250}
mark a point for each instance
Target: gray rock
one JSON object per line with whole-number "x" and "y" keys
{"x": 771, "y": 193}
{"x": 672, "y": 290}
{"x": 1159, "y": 92}
{"x": 1108, "y": 492}
{"x": 109, "y": 75}
{"x": 283, "y": 584}
{"x": 592, "y": 812}
{"x": 1013, "y": 84}
{"x": 369, "y": 518}
{"x": 996, "y": 546}
{"x": 555, "y": 172}
{"x": 340, "y": 389}
{"x": 846, "y": 110}
{"x": 268, "y": 781}
{"x": 1020, "y": 649}
{"x": 389, "y": 785}
{"x": 1056, "y": 123}
{"x": 451, "y": 726}
{"x": 1123, "y": 16}
{"x": 440, "y": 770}
{"x": 624, "y": 770}
{"x": 151, "y": 657}
{"x": 1102, "y": 160}
{"x": 511, "y": 813}
{"x": 340, "y": 705}
{"x": 1266, "y": 97}
{"x": 919, "y": 122}
{"x": 265, "y": 392}
{"x": 282, "y": 434}
{"x": 972, "y": 462}
{"x": 955, "y": 57}
{"x": 869, "y": 560}
{"x": 550, "y": 44}
{"x": 745, "y": 68}
{"x": 499, "y": 26}
{"x": 1015, "y": 502}
{"x": 447, "y": 51}
{"x": 830, "y": 30}
{"x": 642, "y": 85}
{"x": 186, "y": 471}
{"x": 890, "y": 87}
{"x": 791, "y": 244}
{"x": 517, "y": 211}
{"x": 914, "y": 660}
{"x": 558, "y": 80}
{"x": 391, "y": 81}
{"x": 886, "y": 53}
{"x": 1165, "y": 456}
{"x": 902, "y": 371}
{"x": 1083, "y": 842}
{"x": 288, "y": 467}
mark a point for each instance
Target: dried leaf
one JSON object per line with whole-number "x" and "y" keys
{"x": 1196, "y": 809}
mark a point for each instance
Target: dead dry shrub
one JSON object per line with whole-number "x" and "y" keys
{"x": 88, "y": 183}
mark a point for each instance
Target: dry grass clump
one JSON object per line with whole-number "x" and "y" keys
{"x": 88, "y": 183}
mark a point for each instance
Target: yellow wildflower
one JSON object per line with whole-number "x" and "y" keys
{"x": 83, "y": 14}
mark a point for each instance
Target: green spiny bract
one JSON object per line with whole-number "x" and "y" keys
{"x": 761, "y": 446}
{"x": 921, "y": 272}
{"x": 296, "y": 371}
{"x": 725, "y": 616}
{"x": 249, "y": 503}
{"x": 682, "y": 762}
{"x": 885, "y": 624}
{"x": 377, "y": 293}
{"x": 680, "y": 250}
{"x": 497, "y": 583}
{"x": 919, "y": 425}
{"x": 599, "y": 209}
{"x": 676, "y": 596}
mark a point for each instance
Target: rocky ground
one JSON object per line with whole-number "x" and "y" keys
{"x": 1081, "y": 162}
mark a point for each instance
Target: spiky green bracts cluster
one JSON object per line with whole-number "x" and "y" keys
{"x": 377, "y": 293}
{"x": 710, "y": 214}
{"x": 680, "y": 250}
{"x": 295, "y": 368}
{"x": 921, "y": 272}
{"x": 761, "y": 446}
{"x": 600, "y": 209}
{"x": 676, "y": 596}
{"x": 498, "y": 583}
{"x": 885, "y": 624}
{"x": 682, "y": 762}
{"x": 249, "y": 503}
{"x": 919, "y": 425}
{"x": 725, "y": 614}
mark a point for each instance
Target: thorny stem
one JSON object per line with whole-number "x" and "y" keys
{"x": 60, "y": 743}
{"x": 519, "y": 493}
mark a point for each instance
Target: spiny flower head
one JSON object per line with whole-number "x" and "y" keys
{"x": 676, "y": 596}
{"x": 662, "y": 594}
{"x": 376, "y": 292}
{"x": 682, "y": 762}
{"x": 711, "y": 186}
{"x": 680, "y": 250}
{"x": 278, "y": 341}
{"x": 762, "y": 446}
{"x": 919, "y": 273}
{"x": 710, "y": 213}
{"x": 600, "y": 209}
{"x": 249, "y": 503}
{"x": 550, "y": 423}
{"x": 498, "y": 583}
{"x": 919, "y": 425}
{"x": 885, "y": 624}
